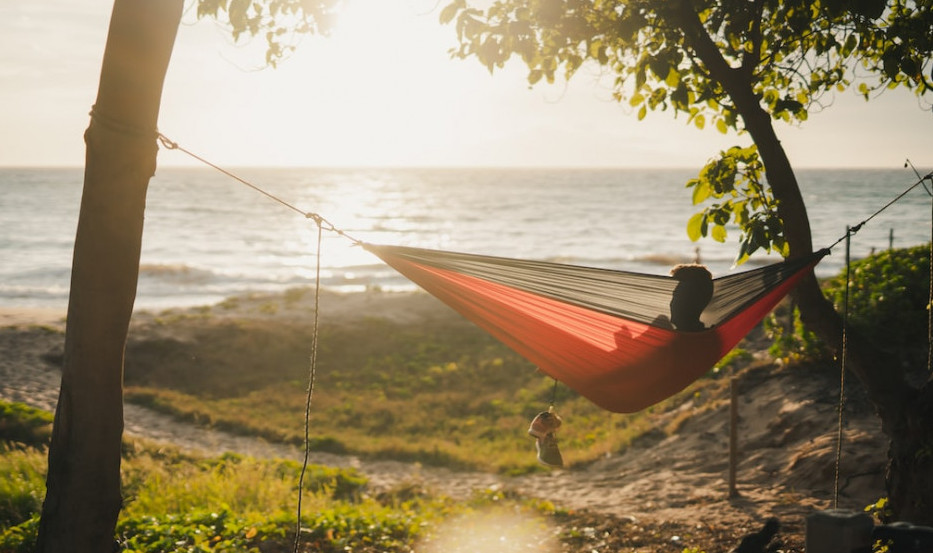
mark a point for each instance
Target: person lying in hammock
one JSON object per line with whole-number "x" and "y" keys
{"x": 692, "y": 294}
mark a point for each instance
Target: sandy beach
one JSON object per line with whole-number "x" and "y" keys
{"x": 787, "y": 435}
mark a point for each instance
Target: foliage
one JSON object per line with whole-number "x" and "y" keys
{"x": 889, "y": 294}
{"x": 181, "y": 503}
{"x": 880, "y": 511}
{"x": 888, "y": 303}
{"x": 737, "y": 177}
{"x": 20, "y": 538}
{"x": 791, "y": 341}
{"x": 898, "y": 52}
{"x": 791, "y": 52}
{"x": 281, "y": 21}
{"x": 24, "y": 424}
{"x": 22, "y": 485}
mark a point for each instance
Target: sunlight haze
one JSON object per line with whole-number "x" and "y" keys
{"x": 383, "y": 91}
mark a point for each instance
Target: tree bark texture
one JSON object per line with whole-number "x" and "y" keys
{"x": 909, "y": 474}
{"x": 83, "y": 496}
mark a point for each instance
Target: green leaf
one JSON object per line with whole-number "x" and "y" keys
{"x": 695, "y": 226}
{"x": 449, "y": 11}
{"x": 701, "y": 191}
{"x": 680, "y": 97}
{"x": 719, "y": 233}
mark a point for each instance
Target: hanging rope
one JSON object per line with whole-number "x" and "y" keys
{"x": 553, "y": 394}
{"x": 842, "y": 373}
{"x": 858, "y": 227}
{"x": 312, "y": 369}
{"x": 929, "y": 192}
{"x": 322, "y": 223}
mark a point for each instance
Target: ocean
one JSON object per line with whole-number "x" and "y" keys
{"x": 208, "y": 237}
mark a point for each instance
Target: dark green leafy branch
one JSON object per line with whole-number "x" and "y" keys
{"x": 736, "y": 178}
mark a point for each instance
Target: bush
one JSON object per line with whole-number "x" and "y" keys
{"x": 888, "y": 304}
{"x": 22, "y": 485}
{"x": 790, "y": 340}
{"x": 889, "y": 296}
{"x": 22, "y": 424}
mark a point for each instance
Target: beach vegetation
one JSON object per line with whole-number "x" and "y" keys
{"x": 791, "y": 340}
{"x": 887, "y": 305}
{"x": 22, "y": 483}
{"x": 436, "y": 393}
{"x": 889, "y": 301}
{"x": 25, "y": 425}
{"x": 180, "y": 502}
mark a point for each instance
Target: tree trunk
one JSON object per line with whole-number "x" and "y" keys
{"x": 909, "y": 477}
{"x": 906, "y": 418}
{"x": 83, "y": 484}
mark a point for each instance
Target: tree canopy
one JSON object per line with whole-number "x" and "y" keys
{"x": 281, "y": 22}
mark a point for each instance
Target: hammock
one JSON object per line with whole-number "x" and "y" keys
{"x": 606, "y": 334}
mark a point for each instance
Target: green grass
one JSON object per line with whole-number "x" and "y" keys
{"x": 175, "y": 502}
{"x": 439, "y": 393}
{"x": 24, "y": 425}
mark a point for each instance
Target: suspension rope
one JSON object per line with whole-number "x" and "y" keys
{"x": 312, "y": 369}
{"x": 858, "y": 227}
{"x": 553, "y": 395}
{"x": 842, "y": 373}
{"x": 929, "y": 191}
{"x": 322, "y": 223}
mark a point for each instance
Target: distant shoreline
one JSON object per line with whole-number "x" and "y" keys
{"x": 31, "y": 316}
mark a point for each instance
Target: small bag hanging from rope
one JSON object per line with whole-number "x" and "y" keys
{"x": 544, "y": 429}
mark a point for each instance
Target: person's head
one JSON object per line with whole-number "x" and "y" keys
{"x": 693, "y": 292}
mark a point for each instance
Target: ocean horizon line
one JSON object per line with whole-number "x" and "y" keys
{"x": 195, "y": 165}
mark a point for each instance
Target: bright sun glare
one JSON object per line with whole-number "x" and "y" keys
{"x": 368, "y": 85}
{"x": 499, "y": 530}
{"x": 382, "y": 90}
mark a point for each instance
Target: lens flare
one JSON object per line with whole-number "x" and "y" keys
{"x": 500, "y": 530}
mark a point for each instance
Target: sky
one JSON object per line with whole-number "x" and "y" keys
{"x": 382, "y": 91}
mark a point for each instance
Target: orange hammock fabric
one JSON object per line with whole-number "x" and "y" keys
{"x": 606, "y": 334}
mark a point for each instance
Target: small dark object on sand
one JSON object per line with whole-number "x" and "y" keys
{"x": 757, "y": 542}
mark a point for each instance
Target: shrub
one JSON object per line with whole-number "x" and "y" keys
{"x": 790, "y": 340}
{"x": 888, "y": 305}
{"x": 22, "y": 485}
{"x": 22, "y": 424}
{"x": 889, "y": 295}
